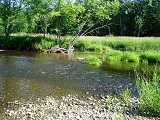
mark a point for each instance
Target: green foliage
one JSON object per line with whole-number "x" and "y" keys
{"x": 114, "y": 56}
{"x": 123, "y": 43}
{"x": 150, "y": 56}
{"x": 45, "y": 16}
{"x": 122, "y": 56}
{"x": 26, "y": 42}
{"x": 130, "y": 57}
{"x": 80, "y": 45}
{"x": 93, "y": 60}
{"x": 148, "y": 85}
{"x": 125, "y": 96}
{"x": 44, "y": 44}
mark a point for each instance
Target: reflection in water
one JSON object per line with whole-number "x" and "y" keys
{"x": 28, "y": 75}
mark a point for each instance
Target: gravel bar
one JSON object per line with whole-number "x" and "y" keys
{"x": 71, "y": 107}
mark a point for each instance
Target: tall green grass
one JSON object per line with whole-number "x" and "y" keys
{"x": 122, "y": 43}
{"x": 122, "y": 56}
{"x": 148, "y": 85}
{"x": 150, "y": 56}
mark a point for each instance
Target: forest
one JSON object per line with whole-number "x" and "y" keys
{"x": 81, "y": 17}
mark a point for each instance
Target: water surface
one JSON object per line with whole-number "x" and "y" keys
{"x": 29, "y": 75}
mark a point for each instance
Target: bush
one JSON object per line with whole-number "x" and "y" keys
{"x": 81, "y": 46}
{"x": 93, "y": 60}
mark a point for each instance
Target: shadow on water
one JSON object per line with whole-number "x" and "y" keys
{"x": 28, "y": 75}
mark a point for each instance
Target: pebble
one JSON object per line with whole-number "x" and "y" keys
{"x": 69, "y": 107}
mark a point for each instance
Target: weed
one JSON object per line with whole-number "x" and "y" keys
{"x": 126, "y": 96}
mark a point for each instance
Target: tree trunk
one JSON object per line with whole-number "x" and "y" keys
{"x": 7, "y": 30}
{"x": 44, "y": 31}
{"x": 139, "y": 31}
{"x": 59, "y": 31}
{"x": 120, "y": 20}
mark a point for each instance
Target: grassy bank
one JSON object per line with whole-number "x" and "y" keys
{"x": 123, "y": 49}
{"x": 133, "y": 44}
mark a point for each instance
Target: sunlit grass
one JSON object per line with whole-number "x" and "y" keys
{"x": 93, "y": 60}
{"x": 150, "y": 56}
{"x": 148, "y": 85}
{"x": 124, "y": 43}
{"x": 122, "y": 56}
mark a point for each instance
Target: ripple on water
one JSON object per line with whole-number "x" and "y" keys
{"x": 34, "y": 75}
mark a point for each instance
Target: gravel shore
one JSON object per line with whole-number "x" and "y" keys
{"x": 70, "y": 107}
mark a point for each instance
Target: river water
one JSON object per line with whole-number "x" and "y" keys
{"x": 29, "y": 75}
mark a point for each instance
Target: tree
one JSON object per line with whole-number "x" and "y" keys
{"x": 97, "y": 12}
{"x": 85, "y": 16}
{"x": 10, "y": 14}
{"x": 42, "y": 12}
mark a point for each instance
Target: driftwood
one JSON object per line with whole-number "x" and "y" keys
{"x": 57, "y": 49}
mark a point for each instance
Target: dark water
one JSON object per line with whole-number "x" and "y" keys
{"x": 28, "y": 75}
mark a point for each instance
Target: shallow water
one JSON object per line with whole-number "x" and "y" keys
{"x": 29, "y": 75}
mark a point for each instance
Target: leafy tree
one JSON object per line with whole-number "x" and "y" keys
{"x": 1, "y": 27}
{"x": 42, "y": 12}
{"x": 10, "y": 14}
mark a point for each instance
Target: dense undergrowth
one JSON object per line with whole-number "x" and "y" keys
{"x": 26, "y": 42}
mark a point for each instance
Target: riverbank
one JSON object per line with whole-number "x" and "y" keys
{"x": 73, "y": 107}
{"x": 118, "y": 49}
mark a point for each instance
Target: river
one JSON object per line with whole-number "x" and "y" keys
{"x": 30, "y": 75}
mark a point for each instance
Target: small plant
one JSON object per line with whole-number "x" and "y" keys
{"x": 93, "y": 60}
{"x": 125, "y": 96}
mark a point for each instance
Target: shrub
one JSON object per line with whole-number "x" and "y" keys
{"x": 81, "y": 46}
{"x": 93, "y": 60}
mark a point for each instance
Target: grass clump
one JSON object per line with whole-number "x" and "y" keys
{"x": 114, "y": 56}
{"x": 93, "y": 60}
{"x": 122, "y": 56}
{"x": 130, "y": 57}
{"x": 150, "y": 57}
{"x": 148, "y": 85}
{"x": 125, "y": 96}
